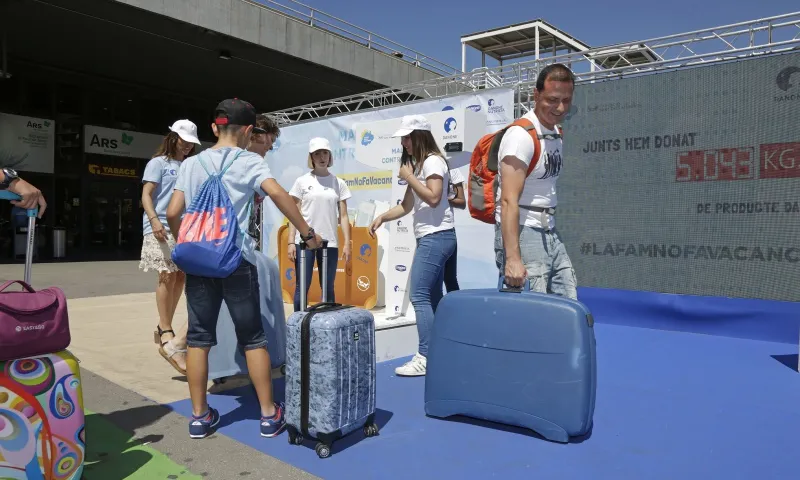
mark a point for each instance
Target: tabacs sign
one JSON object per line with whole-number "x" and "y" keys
{"x": 106, "y": 171}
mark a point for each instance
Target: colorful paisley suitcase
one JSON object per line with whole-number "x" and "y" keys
{"x": 42, "y": 434}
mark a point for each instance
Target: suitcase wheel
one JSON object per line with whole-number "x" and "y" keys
{"x": 283, "y": 369}
{"x": 370, "y": 430}
{"x": 323, "y": 451}
{"x": 295, "y": 438}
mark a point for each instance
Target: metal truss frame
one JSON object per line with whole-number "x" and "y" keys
{"x": 765, "y": 36}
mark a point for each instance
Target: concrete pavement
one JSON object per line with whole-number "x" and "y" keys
{"x": 149, "y": 423}
{"x": 86, "y": 279}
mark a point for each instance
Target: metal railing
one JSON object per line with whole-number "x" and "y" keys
{"x": 345, "y": 29}
{"x": 730, "y": 42}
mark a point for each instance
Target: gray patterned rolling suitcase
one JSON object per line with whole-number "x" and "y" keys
{"x": 330, "y": 369}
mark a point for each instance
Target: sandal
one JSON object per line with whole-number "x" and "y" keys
{"x": 164, "y": 353}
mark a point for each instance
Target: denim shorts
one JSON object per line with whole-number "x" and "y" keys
{"x": 204, "y": 298}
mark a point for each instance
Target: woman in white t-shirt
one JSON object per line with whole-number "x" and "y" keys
{"x": 424, "y": 168}
{"x": 322, "y": 199}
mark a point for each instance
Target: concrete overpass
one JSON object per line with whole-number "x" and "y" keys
{"x": 274, "y": 54}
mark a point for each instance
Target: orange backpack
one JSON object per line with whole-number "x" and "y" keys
{"x": 484, "y": 164}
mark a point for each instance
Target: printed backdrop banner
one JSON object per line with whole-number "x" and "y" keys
{"x": 27, "y": 143}
{"x": 372, "y": 182}
{"x": 687, "y": 182}
{"x": 456, "y": 131}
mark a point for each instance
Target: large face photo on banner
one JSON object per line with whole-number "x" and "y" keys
{"x": 367, "y": 158}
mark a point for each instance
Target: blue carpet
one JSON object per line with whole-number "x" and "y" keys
{"x": 750, "y": 318}
{"x": 669, "y": 405}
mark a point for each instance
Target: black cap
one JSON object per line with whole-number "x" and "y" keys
{"x": 235, "y": 112}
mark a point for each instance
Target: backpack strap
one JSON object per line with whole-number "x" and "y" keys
{"x": 537, "y": 140}
{"x": 230, "y": 163}
{"x": 223, "y": 168}
{"x": 202, "y": 163}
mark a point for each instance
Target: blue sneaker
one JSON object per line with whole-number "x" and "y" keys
{"x": 275, "y": 424}
{"x": 200, "y": 427}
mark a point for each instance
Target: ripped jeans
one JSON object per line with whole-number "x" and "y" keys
{"x": 545, "y": 259}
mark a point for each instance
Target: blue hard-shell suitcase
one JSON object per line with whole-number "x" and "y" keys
{"x": 330, "y": 370}
{"x": 513, "y": 357}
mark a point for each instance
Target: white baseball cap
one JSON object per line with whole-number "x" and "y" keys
{"x": 411, "y": 123}
{"x": 187, "y": 130}
{"x": 319, "y": 143}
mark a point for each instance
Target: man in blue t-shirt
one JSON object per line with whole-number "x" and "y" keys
{"x": 247, "y": 176}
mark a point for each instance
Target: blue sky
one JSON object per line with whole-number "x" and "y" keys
{"x": 434, "y": 28}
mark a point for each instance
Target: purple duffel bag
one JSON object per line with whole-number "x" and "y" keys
{"x": 32, "y": 322}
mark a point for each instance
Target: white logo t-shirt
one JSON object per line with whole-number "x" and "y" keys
{"x": 429, "y": 219}
{"x": 539, "y": 189}
{"x": 319, "y": 204}
{"x": 164, "y": 172}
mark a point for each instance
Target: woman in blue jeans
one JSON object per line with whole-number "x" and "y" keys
{"x": 428, "y": 175}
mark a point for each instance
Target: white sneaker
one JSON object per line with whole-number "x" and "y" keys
{"x": 414, "y": 368}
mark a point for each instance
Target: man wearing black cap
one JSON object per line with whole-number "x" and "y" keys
{"x": 247, "y": 175}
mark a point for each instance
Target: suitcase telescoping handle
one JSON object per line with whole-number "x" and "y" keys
{"x": 32, "y": 212}
{"x": 322, "y": 272}
{"x": 501, "y": 285}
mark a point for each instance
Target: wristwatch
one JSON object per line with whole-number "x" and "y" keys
{"x": 10, "y": 175}
{"x": 307, "y": 237}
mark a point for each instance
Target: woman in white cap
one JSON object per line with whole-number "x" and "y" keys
{"x": 423, "y": 166}
{"x": 321, "y": 197}
{"x": 159, "y": 179}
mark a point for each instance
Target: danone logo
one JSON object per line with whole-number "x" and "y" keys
{"x": 784, "y": 77}
{"x": 364, "y": 253}
{"x": 788, "y": 80}
{"x": 494, "y": 107}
